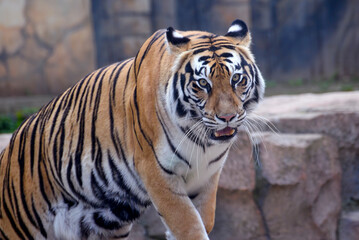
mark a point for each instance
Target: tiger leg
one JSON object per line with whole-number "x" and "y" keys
{"x": 205, "y": 202}
{"x": 171, "y": 202}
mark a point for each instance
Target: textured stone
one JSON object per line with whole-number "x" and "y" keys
{"x": 138, "y": 232}
{"x": 229, "y": 13}
{"x": 51, "y": 19}
{"x": 33, "y": 51}
{"x": 80, "y": 47}
{"x": 58, "y": 70}
{"x": 237, "y": 217}
{"x": 333, "y": 114}
{"x": 122, "y": 6}
{"x": 12, "y": 40}
{"x": 70, "y": 61}
{"x": 3, "y": 71}
{"x": 349, "y": 226}
{"x": 12, "y": 13}
{"x": 133, "y": 25}
{"x": 153, "y": 224}
{"x": 238, "y": 172}
{"x": 25, "y": 78}
{"x": 4, "y": 140}
{"x": 303, "y": 203}
{"x": 131, "y": 45}
{"x": 16, "y": 72}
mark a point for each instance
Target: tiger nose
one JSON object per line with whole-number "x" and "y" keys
{"x": 226, "y": 117}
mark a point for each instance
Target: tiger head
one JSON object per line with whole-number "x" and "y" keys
{"x": 215, "y": 82}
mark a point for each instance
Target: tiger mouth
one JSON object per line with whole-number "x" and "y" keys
{"x": 224, "y": 134}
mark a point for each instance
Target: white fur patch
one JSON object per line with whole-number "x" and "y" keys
{"x": 235, "y": 28}
{"x": 177, "y": 35}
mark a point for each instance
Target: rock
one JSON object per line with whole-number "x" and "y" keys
{"x": 70, "y": 61}
{"x": 12, "y": 13}
{"x": 137, "y": 233}
{"x": 238, "y": 172}
{"x": 51, "y": 19}
{"x": 3, "y": 71}
{"x": 123, "y": 6}
{"x": 33, "y": 51}
{"x": 12, "y": 40}
{"x": 333, "y": 114}
{"x": 17, "y": 72}
{"x": 349, "y": 226}
{"x": 153, "y": 224}
{"x": 81, "y": 49}
{"x": 133, "y": 25}
{"x": 228, "y": 13}
{"x": 237, "y": 217}
{"x": 4, "y": 140}
{"x": 131, "y": 45}
{"x": 303, "y": 200}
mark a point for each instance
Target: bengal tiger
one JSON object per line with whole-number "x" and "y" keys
{"x": 154, "y": 129}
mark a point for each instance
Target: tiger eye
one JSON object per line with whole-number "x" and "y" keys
{"x": 203, "y": 82}
{"x": 236, "y": 78}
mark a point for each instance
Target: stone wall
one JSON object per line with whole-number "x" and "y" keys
{"x": 45, "y": 45}
{"x": 122, "y": 26}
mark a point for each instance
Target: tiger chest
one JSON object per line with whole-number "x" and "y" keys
{"x": 194, "y": 164}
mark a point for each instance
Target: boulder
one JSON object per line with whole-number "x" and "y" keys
{"x": 333, "y": 114}
{"x": 4, "y": 140}
{"x": 302, "y": 200}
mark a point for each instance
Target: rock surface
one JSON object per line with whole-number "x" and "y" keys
{"x": 302, "y": 200}
{"x": 45, "y": 46}
{"x": 333, "y": 114}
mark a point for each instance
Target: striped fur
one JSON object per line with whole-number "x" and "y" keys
{"x": 139, "y": 132}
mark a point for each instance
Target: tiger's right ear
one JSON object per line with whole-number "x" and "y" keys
{"x": 238, "y": 32}
{"x": 176, "y": 42}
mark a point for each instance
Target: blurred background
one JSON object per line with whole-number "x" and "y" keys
{"x": 47, "y": 46}
{"x": 301, "y": 46}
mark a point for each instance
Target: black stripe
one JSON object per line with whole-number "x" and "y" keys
{"x": 104, "y": 223}
{"x": 153, "y": 40}
{"x": 170, "y": 143}
{"x": 116, "y": 79}
{"x": 226, "y": 55}
{"x": 145, "y": 136}
{"x": 19, "y": 218}
{"x": 98, "y": 163}
{"x": 120, "y": 181}
{"x": 118, "y": 147}
{"x": 218, "y": 158}
{"x": 104, "y": 70}
{"x": 3, "y": 235}
{"x": 12, "y": 221}
{"x": 94, "y": 117}
{"x": 122, "y": 235}
{"x": 174, "y": 86}
{"x": 38, "y": 219}
{"x": 180, "y": 110}
{"x": 32, "y": 146}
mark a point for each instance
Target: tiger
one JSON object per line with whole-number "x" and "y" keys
{"x": 155, "y": 129}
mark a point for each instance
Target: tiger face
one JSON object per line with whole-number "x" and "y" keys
{"x": 219, "y": 82}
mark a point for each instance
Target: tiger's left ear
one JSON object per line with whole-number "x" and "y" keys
{"x": 176, "y": 41}
{"x": 238, "y": 32}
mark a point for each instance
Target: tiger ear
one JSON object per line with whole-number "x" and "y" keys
{"x": 176, "y": 41}
{"x": 238, "y": 32}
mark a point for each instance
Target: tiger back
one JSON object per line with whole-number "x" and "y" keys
{"x": 154, "y": 129}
